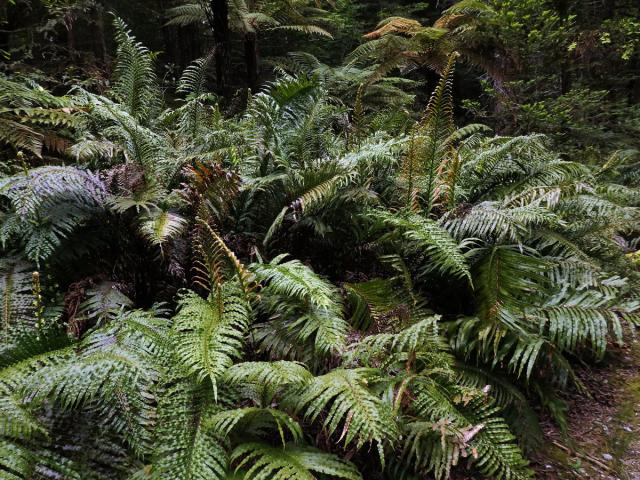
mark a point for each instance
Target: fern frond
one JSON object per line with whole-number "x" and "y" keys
{"x": 256, "y": 422}
{"x": 294, "y": 462}
{"x": 47, "y": 205}
{"x": 426, "y": 236}
{"x": 186, "y": 14}
{"x": 187, "y": 448}
{"x": 268, "y": 374}
{"x": 160, "y": 226}
{"x": 342, "y": 400}
{"x": 294, "y": 279}
{"x": 216, "y": 261}
{"x": 209, "y": 334}
{"x": 16, "y": 297}
{"x": 136, "y": 84}
{"x": 492, "y": 222}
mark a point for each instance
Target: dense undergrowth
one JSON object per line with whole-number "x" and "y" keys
{"x": 302, "y": 290}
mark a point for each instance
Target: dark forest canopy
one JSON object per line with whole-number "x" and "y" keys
{"x": 303, "y": 240}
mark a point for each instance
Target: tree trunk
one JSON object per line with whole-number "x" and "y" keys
{"x": 251, "y": 59}
{"x": 218, "y": 17}
{"x": 69, "y": 20}
{"x": 609, "y": 8}
{"x": 102, "y": 44}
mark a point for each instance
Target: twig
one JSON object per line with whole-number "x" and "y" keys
{"x": 584, "y": 456}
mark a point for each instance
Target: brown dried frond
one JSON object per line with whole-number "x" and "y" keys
{"x": 396, "y": 25}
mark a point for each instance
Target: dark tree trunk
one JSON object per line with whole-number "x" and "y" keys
{"x": 562, "y": 6}
{"x": 251, "y": 59}
{"x": 102, "y": 44}
{"x": 565, "y": 77}
{"x": 218, "y": 17}
{"x": 609, "y": 8}
{"x": 69, "y": 20}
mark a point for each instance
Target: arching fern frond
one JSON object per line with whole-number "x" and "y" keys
{"x": 294, "y": 462}
{"x": 294, "y": 279}
{"x": 47, "y": 205}
{"x": 427, "y": 237}
{"x": 342, "y": 400}
{"x": 187, "y": 449}
{"x": 160, "y": 226}
{"x": 16, "y": 297}
{"x": 256, "y": 422}
{"x": 274, "y": 374}
{"x": 209, "y": 333}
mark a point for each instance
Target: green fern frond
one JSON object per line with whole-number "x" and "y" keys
{"x": 493, "y": 222}
{"x": 47, "y": 205}
{"x": 209, "y": 334}
{"x": 294, "y": 279}
{"x": 371, "y": 300}
{"x": 256, "y": 422}
{"x": 294, "y": 462}
{"x": 186, "y": 14}
{"x": 16, "y": 296}
{"x": 429, "y": 152}
{"x": 341, "y": 398}
{"x": 187, "y": 448}
{"x": 136, "y": 84}
{"x": 268, "y": 374}
{"x": 426, "y": 236}
{"x": 160, "y": 226}
{"x": 217, "y": 262}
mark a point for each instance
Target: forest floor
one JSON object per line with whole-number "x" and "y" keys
{"x": 604, "y": 428}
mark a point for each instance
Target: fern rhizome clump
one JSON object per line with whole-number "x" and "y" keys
{"x": 302, "y": 290}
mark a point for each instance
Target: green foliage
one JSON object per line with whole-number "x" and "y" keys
{"x": 16, "y": 296}
{"x": 441, "y": 285}
{"x": 47, "y": 205}
{"x": 135, "y": 84}
{"x": 348, "y": 403}
{"x": 291, "y": 463}
{"x": 209, "y": 333}
{"x": 426, "y": 237}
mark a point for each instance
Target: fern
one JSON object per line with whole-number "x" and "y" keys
{"x": 426, "y": 236}
{"x": 209, "y": 333}
{"x": 187, "y": 449}
{"x": 268, "y": 374}
{"x": 316, "y": 308}
{"x": 349, "y": 408}
{"x": 256, "y": 422}
{"x": 294, "y": 279}
{"x": 48, "y": 205}
{"x": 493, "y": 222}
{"x": 16, "y": 296}
{"x": 161, "y": 226}
{"x": 469, "y": 429}
{"x": 291, "y": 463}
{"x": 135, "y": 85}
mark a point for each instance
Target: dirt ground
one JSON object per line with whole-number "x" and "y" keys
{"x": 604, "y": 429}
